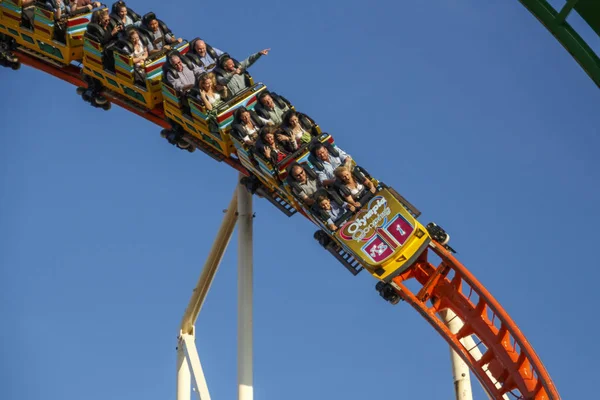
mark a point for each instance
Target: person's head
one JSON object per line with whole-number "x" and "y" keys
{"x": 267, "y": 135}
{"x": 343, "y": 174}
{"x": 134, "y": 36}
{"x": 206, "y": 82}
{"x": 176, "y": 63}
{"x": 292, "y": 119}
{"x": 323, "y": 202}
{"x": 298, "y": 173}
{"x": 103, "y": 18}
{"x": 244, "y": 116}
{"x": 122, "y": 11}
{"x": 200, "y": 47}
{"x": 267, "y": 101}
{"x": 153, "y": 25}
{"x": 229, "y": 65}
{"x": 321, "y": 152}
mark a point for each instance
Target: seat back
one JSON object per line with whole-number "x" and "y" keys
{"x": 95, "y": 32}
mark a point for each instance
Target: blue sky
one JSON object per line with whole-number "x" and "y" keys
{"x": 471, "y": 110}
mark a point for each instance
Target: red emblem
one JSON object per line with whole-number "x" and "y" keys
{"x": 378, "y": 250}
{"x": 400, "y": 229}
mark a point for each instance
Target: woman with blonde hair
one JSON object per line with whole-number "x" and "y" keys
{"x": 349, "y": 187}
{"x": 208, "y": 91}
{"x": 140, "y": 52}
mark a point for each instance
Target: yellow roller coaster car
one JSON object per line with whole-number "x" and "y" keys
{"x": 37, "y": 31}
{"x": 111, "y": 68}
{"x": 189, "y": 116}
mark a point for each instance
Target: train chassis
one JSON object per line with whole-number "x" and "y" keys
{"x": 92, "y": 94}
{"x": 7, "y": 57}
{"x": 176, "y": 136}
{"x": 438, "y": 234}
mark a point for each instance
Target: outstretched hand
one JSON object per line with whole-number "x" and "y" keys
{"x": 264, "y": 52}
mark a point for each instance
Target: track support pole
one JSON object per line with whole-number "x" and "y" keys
{"x": 184, "y": 379}
{"x": 455, "y": 324}
{"x": 188, "y": 343}
{"x": 245, "y": 277}
{"x": 460, "y": 370}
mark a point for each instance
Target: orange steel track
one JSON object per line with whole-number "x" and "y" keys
{"x": 506, "y": 354}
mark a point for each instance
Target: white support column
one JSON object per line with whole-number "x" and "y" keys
{"x": 188, "y": 343}
{"x": 184, "y": 382}
{"x": 245, "y": 242}
{"x": 460, "y": 370}
{"x": 458, "y": 365}
{"x": 471, "y": 346}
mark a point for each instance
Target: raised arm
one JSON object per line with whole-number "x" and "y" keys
{"x": 244, "y": 65}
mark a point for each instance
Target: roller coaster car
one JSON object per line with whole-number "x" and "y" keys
{"x": 187, "y": 112}
{"x": 111, "y": 68}
{"x": 36, "y": 31}
{"x": 383, "y": 237}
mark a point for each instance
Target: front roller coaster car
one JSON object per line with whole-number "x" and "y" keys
{"x": 36, "y": 30}
{"x": 383, "y": 237}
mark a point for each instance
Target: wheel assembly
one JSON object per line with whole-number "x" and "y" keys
{"x": 438, "y": 234}
{"x": 387, "y": 292}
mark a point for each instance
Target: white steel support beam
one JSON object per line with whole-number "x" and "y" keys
{"x": 245, "y": 242}
{"x": 184, "y": 380}
{"x": 460, "y": 370}
{"x": 210, "y": 267}
{"x": 188, "y": 342}
{"x": 471, "y": 346}
{"x": 455, "y": 324}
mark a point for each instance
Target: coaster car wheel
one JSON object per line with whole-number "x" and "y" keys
{"x": 323, "y": 238}
{"x": 387, "y": 292}
{"x": 182, "y": 144}
{"x": 250, "y": 183}
{"x": 87, "y": 96}
{"x": 438, "y": 234}
{"x": 100, "y": 103}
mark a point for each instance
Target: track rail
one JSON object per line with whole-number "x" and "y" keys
{"x": 508, "y": 364}
{"x": 556, "y": 22}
